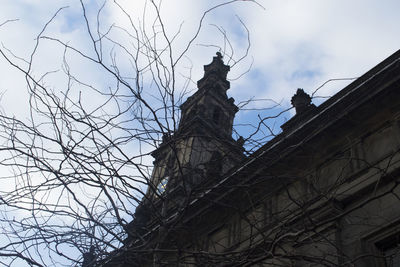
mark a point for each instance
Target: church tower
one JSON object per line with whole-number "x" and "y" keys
{"x": 202, "y": 149}
{"x": 196, "y": 156}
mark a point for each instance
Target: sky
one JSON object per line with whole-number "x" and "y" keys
{"x": 287, "y": 44}
{"x": 293, "y": 44}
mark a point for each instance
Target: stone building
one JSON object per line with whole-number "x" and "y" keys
{"x": 324, "y": 192}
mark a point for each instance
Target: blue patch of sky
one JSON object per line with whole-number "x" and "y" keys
{"x": 307, "y": 59}
{"x": 74, "y": 19}
{"x": 248, "y": 120}
{"x": 274, "y": 113}
{"x": 260, "y": 126}
{"x": 256, "y": 82}
{"x": 257, "y": 74}
{"x": 305, "y": 74}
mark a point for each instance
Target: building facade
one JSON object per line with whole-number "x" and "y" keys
{"x": 324, "y": 192}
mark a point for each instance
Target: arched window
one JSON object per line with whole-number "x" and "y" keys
{"x": 162, "y": 185}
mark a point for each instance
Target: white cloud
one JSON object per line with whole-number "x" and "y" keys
{"x": 332, "y": 38}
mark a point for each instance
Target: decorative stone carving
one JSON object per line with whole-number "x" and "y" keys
{"x": 301, "y": 101}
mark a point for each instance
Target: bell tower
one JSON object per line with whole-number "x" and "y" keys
{"x": 197, "y": 155}
{"x": 202, "y": 148}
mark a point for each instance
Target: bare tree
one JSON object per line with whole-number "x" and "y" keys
{"x": 80, "y": 187}
{"x": 77, "y": 166}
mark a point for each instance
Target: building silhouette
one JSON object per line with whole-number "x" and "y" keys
{"x": 324, "y": 192}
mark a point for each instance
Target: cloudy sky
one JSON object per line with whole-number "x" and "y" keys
{"x": 293, "y": 43}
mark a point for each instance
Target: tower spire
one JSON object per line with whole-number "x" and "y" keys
{"x": 210, "y": 106}
{"x": 215, "y": 75}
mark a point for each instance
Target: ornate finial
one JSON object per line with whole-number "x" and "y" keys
{"x": 217, "y": 67}
{"x": 301, "y": 101}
